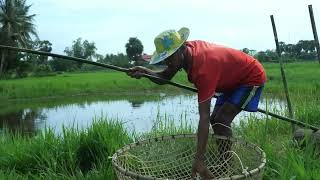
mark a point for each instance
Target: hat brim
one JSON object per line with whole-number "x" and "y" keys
{"x": 156, "y": 58}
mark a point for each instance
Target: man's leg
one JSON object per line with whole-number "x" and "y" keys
{"x": 213, "y": 114}
{"x": 227, "y": 107}
{"x": 223, "y": 118}
{"x": 221, "y": 125}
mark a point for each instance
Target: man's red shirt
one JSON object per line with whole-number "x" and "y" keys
{"x": 217, "y": 68}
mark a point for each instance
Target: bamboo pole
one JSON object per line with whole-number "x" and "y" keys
{"x": 149, "y": 76}
{"x": 109, "y": 66}
{"x": 283, "y": 75}
{"x": 314, "y": 30}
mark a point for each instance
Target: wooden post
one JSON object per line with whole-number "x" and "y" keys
{"x": 314, "y": 29}
{"x": 284, "y": 80}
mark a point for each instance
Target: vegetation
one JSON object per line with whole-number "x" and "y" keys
{"x": 76, "y": 83}
{"x": 82, "y": 154}
{"x": 304, "y": 50}
{"x": 134, "y": 49}
{"x": 302, "y": 78}
{"x": 286, "y": 159}
{"x": 73, "y": 154}
{"x": 16, "y": 29}
{"x": 77, "y": 154}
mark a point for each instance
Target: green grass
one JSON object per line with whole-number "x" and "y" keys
{"x": 103, "y": 83}
{"x": 74, "y": 154}
{"x": 301, "y": 77}
{"x": 83, "y": 154}
{"x": 285, "y": 158}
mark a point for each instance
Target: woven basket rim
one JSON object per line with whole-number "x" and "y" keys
{"x": 181, "y": 136}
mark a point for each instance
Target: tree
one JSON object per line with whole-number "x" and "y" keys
{"x": 16, "y": 29}
{"x": 251, "y": 52}
{"x": 134, "y": 49}
{"x": 84, "y": 50}
{"x": 44, "y": 46}
{"x": 38, "y": 45}
{"x": 118, "y": 60}
{"x": 245, "y": 50}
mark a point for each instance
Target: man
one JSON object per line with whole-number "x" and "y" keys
{"x": 212, "y": 68}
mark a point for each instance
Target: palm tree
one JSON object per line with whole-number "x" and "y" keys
{"x": 16, "y": 27}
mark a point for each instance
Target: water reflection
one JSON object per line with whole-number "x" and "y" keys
{"x": 136, "y": 103}
{"x": 22, "y": 121}
{"x": 137, "y": 115}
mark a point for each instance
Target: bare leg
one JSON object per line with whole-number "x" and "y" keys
{"x": 213, "y": 115}
{"x": 221, "y": 125}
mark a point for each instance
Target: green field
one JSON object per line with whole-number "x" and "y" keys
{"x": 303, "y": 78}
{"x": 84, "y": 154}
{"x": 97, "y": 83}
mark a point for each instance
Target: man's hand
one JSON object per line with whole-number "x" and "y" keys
{"x": 137, "y": 72}
{"x": 200, "y": 167}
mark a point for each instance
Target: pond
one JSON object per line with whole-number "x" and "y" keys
{"x": 137, "y": 114}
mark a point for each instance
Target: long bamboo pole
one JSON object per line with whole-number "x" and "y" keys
{"x": 283, "y": 75}
{"x": 147, "y": 76}
{"x": 314, "y": 30}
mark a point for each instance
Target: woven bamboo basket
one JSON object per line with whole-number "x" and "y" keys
{"x": 171, "y": 157}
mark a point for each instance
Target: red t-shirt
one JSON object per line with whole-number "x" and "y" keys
{"x": 217, "y": 68}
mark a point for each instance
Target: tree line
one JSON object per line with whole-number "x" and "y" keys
{"x": 302, "y": 50}
{"x": 17, "y": 29}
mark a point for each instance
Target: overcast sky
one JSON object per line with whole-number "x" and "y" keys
{"x": 234, "y": 23}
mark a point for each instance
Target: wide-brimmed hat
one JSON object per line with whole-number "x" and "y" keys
{"x": 167, "y": 43}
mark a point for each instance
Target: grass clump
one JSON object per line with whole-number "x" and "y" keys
{"x": 73, "y": 154}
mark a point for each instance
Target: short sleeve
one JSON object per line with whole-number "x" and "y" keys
{"x": 206, "y": 85}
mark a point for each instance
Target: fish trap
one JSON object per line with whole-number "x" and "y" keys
{"x": 171, "y": 157}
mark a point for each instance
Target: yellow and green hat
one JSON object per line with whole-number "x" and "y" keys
{"x": 167, "y": 43}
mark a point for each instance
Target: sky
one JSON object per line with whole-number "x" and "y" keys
{"x": 234, "y": 23}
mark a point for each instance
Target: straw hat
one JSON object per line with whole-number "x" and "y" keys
{"x": 167, "y": 43}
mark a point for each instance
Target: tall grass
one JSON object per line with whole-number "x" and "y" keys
{"x": 73, "y": 154}
{"x": 302, "y": 78}
{"x": 286, "y": 159}
{"x": 84, "y": 154}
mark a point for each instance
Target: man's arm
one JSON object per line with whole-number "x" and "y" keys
{"x": 167, "y": 73}
{"x": 203, "y": 131}
{"x": 203, "y": 128}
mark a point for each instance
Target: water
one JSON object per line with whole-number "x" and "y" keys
{"x": 136, "y": 116}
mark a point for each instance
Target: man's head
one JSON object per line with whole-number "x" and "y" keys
{"x": 167, "y": 43}
{"x": 175, "y": 61}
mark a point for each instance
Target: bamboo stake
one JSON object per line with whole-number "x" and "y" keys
{"x": 148, "y": 76}
{"x": 314, "y": 30}
{"x": 283, "y": 75}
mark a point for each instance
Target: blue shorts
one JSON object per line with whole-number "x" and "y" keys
{"x": 245, "y": 97}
